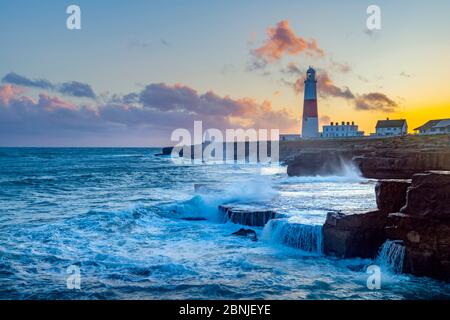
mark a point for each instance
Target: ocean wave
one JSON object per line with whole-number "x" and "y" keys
{"x": 348, "y": 173}
{"x": 256, "y": 190}
{"x": 23, "y": 181}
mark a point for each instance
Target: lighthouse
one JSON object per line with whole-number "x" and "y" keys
{"x": 310, "y": 123}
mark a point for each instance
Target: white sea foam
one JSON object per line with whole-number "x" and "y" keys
{"x": 254, "y": 190}
{"x": 347, "y": 173}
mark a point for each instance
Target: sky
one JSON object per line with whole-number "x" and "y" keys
{"x": 137, "y": 70}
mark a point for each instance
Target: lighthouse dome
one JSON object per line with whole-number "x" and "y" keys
{"x": 311, "y": 73}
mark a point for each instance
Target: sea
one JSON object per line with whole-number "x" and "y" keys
{"x": 124, "y": 223}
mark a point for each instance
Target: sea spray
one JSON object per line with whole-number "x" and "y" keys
{"x": 205, "y": 204}
{"x": 302, "y": 236}
{"x": 392, "y": 255}
{"x": 347, "y": 172}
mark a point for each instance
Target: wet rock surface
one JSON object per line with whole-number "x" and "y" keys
{"x": 356, "y": 235}
{"x": 322, "y": 162}
{"x": 377, "y": 158}
{"x": 391, "y": 194}
{"x": 427, "y": 243}
{"x": 247, "y": 215}
{"x": 424, "y": 226}
{"x": 429, "y": 195}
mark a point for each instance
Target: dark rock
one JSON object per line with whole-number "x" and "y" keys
{"x": 377, "y": 167}
{"x": 427, "y": 243}
{"x": 247, "y": 215}
{"x": 312, "y": 163}
{"x": 167, "y": 151}
{"x": 424, "y": 226}
{"x": 194, "y": 219}
{"x": 356, "y": 235}
{"x": 376, "y": 157}
{"x": 230, "y": 150}
{"x": 429, "y": 195}
{"x": 249, "y": 233}
{"x": 391, "y": 195}
{"x": 401, "y": 165}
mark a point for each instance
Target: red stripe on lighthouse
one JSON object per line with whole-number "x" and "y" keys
{"x": 310, "y": 109}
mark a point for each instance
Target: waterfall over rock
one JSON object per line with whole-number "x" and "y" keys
{"x": 392, "y": 255}
{"x": 302, "y": 236}
{"x": 247, "y": 215}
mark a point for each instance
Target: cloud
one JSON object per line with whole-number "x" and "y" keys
{"x": 325, "y": 87}
{"x": 73, "y": 88}
{"x": 324, "y": 119}
{"x": 342, "y": 67}
{"x": 77, "y": 89}
{"x": 375, "y": 101}
{"x": 14, "y": 78}
{"x": 8, "y": 92}
{"x": 406, "y": 75}
{"x": 138, "y": 118}
{"x": 164, "y": 42}
{"x": 282, "y": 40}
{"x": 219, "y": 111}
{"x": 54, "y": 103}
{"x": 293, "y": 69}
{"x": 139, "y": 44}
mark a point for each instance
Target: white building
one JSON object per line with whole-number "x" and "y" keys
{"x": 391, "y": 127}
{"x": 440, "y": 126}
{"x": 341, "y": 130}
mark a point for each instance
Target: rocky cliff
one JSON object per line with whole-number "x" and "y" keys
{"x": 361, "y": 235}
{"x": 423, "y": 225}
{"x": 413, "y": 215}
{"x": 379, "y": 158}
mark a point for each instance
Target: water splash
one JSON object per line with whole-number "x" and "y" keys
{"x": 347, "y": 172}
{"x": 302, "y": 236}
{"x": 205, "y": 204}
{"x": 392, "y": 255}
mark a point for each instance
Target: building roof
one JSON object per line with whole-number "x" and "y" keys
{"x": 390, "y": 123}
{"x": 443, "y": 123}
{"x": 434, "y": 123}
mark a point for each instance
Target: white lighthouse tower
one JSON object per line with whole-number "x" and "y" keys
{"x": 310, "y": 122}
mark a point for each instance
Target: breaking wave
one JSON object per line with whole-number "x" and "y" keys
{"x": 206, "y": 203}
{"x": 347, "y": 172}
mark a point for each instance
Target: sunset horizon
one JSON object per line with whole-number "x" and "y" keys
{"x": 117, "y": 84}
{"x": 220, "y": 159}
